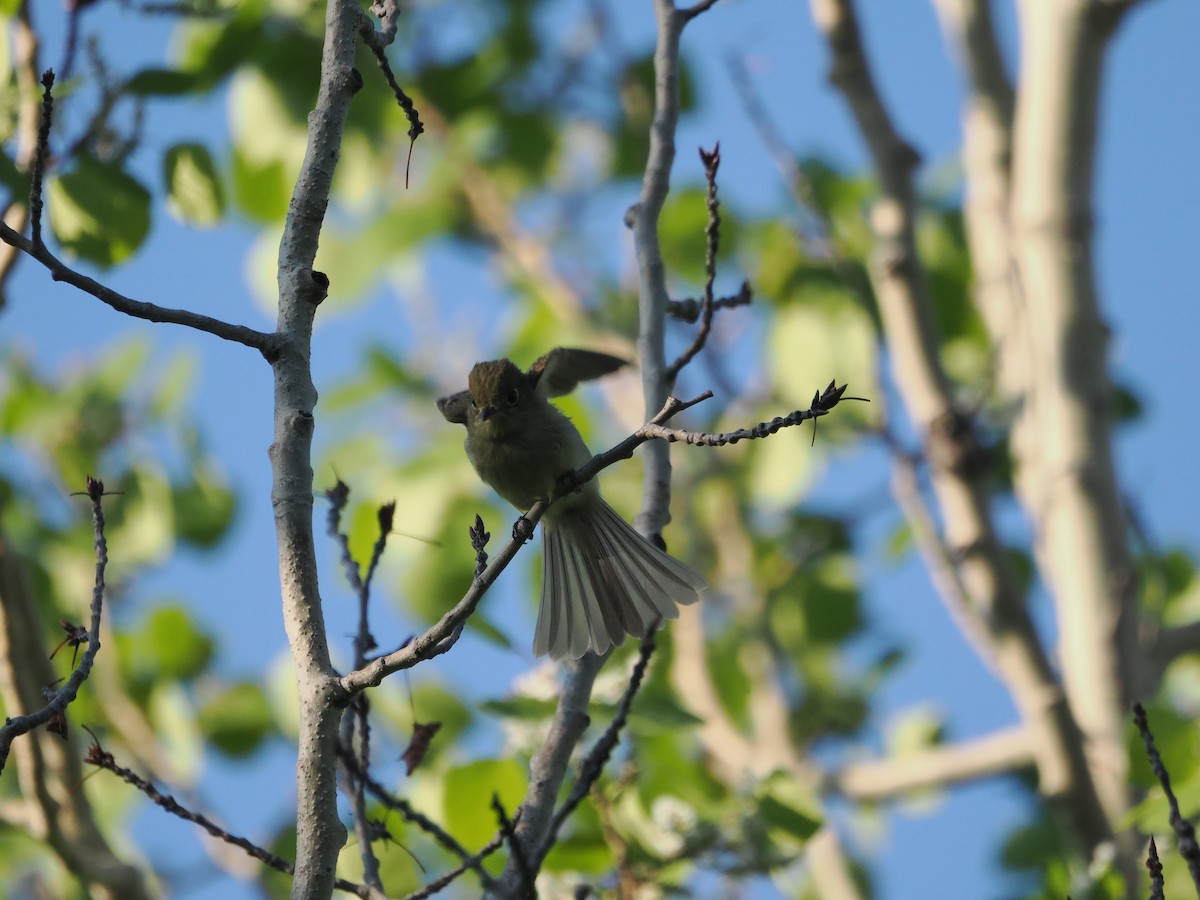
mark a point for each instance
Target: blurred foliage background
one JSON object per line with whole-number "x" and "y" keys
{"x": 502, "y": 237}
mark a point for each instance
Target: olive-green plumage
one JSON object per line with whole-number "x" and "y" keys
{"x": 601, "y": 580}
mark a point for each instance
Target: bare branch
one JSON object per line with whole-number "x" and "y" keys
{"x": 962, "y": 490}
{"x": 25, "y": 47}
{"x": 697, "y": 9}
{"x": 19, "y": 725}
{"x": 712, "y": 234}
{"x": 102, "y": 759}
{"x": 1067, "y": 473}
{"x": 38, "y": 172}
{"x": 1001, "y": 753}
{"x": 474, "y": 862}
{"x": 320, "y": 833}
{"x": 268, "y": 344}
{"x": 526, "y": 886}
{"x": 1189, "y": 849}
{"x": 402, "y": 806}
{"x": 689, "y": 309}
{"x": 550, "y": 765}
{"x": 593, "y": 764}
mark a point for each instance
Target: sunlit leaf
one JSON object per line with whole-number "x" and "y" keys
{"x": 237, "y": 719}
{"x": 99, "y": 212}
{"x": 790, "y": 810}
{"x": 204, "y": 508}
{"x": 162, "y": 83}
{"x": 468, "y": 797}
{"x": 194, "y": 191}
{"x": 168, "y": 644}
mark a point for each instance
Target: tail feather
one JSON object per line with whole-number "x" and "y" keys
{"x": 601, "y": 581}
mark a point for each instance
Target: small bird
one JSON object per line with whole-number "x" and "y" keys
{"x": 601, "y": 580}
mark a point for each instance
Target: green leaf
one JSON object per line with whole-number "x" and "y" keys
{"x": 261, "y": 189}
{"x": 194, "y": 191}
{"x": 825, "y": 336}
{"x": 204, "y": 509}
{"x": 1031, "y": 847}
{"x": 237, "y": 720}
{"x": 526, "y": 708}
{"x": 660, "y": 712}
{"x": 11, "y": 178}
{"x": 580, "y": 853}
{"x": 211, "y": 50}
{"x": 468, "y": 794}
{"x": 681, "y": 232}
{"x": 99, "y": 212}
{"x": 167, "y": 644}
{"x": 163, "y": 83}
{"x": 790, "y": 810}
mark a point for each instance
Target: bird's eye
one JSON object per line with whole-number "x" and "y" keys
{"x": 512, "y": 397}
{"x": 474, "y": 405}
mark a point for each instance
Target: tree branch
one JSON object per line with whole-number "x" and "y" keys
{"x": 16, "y": 726}
{"x": 1001, "y": 753}
{"x": 319, "y": 830}
{"x": 957, "y": 463}
{"x": 51, "y": 806}
{"x": 1067, "y": 481}
{"x": 102, "y": 759}
{"x": 25, "y": 47}
{"x": 549, "y": 767}
{"x": 266, "y": 343}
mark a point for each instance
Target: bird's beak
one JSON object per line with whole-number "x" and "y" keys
{"x": 486, "y": 413}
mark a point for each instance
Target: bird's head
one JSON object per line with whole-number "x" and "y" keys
{"x": 499, "y": 390}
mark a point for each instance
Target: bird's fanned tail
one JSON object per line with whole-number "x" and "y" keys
{"x": 601, "y": 581}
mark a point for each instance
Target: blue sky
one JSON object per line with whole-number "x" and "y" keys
{"x": 1148, "y": 227}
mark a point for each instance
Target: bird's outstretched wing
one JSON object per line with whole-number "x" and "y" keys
{"x": 560, "y": 370}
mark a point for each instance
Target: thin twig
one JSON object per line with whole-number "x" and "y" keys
{"x": 472, "y": 862}
{"x": 1184, "y": 830}
{"x": 377, "y": 42}
{"x": 40, "y": 154}
{"x": 269, "y": 345}
{"x": 822, "y": 403}
{"x": 102, "y": 759}
{"x": 712, "y": 242}
{"x": 356, "y": 722}
{"x": 593, "y": 764}
{"x": 402, "y": 806}
{"x": 58, "y": 703}
{"x": 526, "y": 888}
{"x": 688, "y": 310}
{"x": 696, "y": 9}
{"x": 1154, "y": 867}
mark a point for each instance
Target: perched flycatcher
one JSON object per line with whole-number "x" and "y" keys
{"x": 601, "y": 580}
